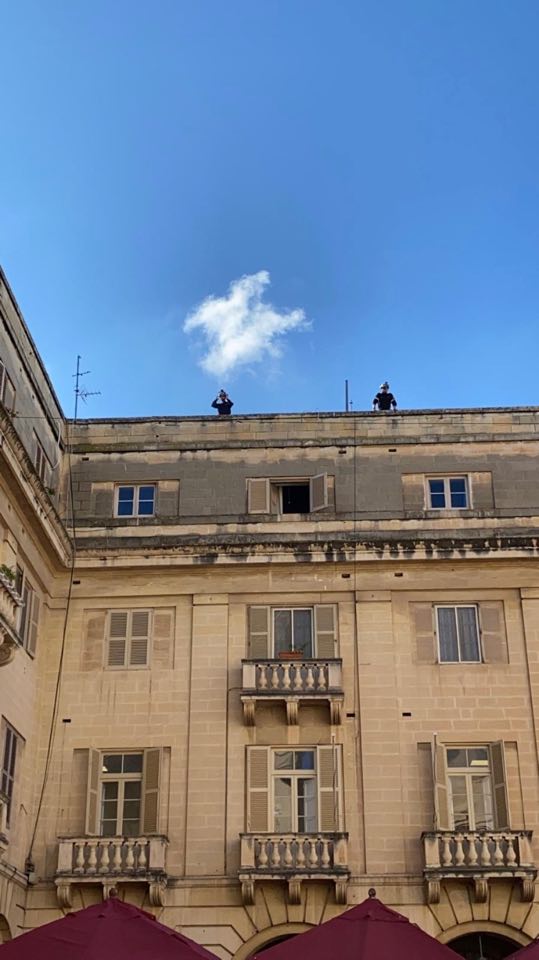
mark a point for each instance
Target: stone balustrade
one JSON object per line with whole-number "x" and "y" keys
{"x": 478, "y": 855}
{"x": 294, "y": 857}
{"x": 110, "y": 860}
{"x": 293, "y": 681}
{"x": 9, "y": 606}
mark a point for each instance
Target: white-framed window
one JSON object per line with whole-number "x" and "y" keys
{"x": 9, "y": 764}
{"x": 128, "y": 638}
{"x": 29, "y": 612}
{"x": 310, "y": 630}
{"x": 458, "y": 633}
{"x": 294, "y": 789}
{"x": 448, "y": 493}
{"x": 288, "y": 495}
{"x": 121, "y": 794}
{"x": 7, "y": 389}
{"x": 135, "y": 500}
{"x": 470, "y": 788}
{"x": 41, "y": 462}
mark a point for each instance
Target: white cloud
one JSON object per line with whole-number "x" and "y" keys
{"x": 240, "y": 328}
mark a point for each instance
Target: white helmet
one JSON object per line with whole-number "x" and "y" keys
{"x": 384, "y": 385}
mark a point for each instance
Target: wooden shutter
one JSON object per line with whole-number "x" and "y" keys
{"x": 423, "y": 626}
{"x": 162, "y": 634}
{"x": 92, "y": 644}
{"x": 33, "y": 623}
{"x": 499, "y": 782}
{"x": 325, "y": 630}
{"x": 140, "y": 630}
{"x": 441, "y": 796}
{"x": 493, "y": 634}
{"x": 328, "y": 780}
{"x": 117, "y": 639}
{"x": 258, "y": 496}
{"x": 258, "y": 776}
{"x": 318, "y": 492}
{"x": 259, "y": 632}
{"x": 151, "y": 778}
{"x": 92, "y": 793}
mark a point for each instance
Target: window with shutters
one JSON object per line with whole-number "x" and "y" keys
{"x": 128, "y": 638}
{"x": 41, "y": 462}
{"x": 29, "y": 612}
{"x": 291, "y": 495}
{"x": 136, "y": 500}
{"x": 11, "y": 748}
{"x": 294, "y": 790}
{"x": 448, "y": 493}
{"x": 458, "y": 634}
{"x": 7, "y": 390}
{"x": 471, "y": 792}
{"x": 121, "y": 794}
{"x": 310, "y": 631}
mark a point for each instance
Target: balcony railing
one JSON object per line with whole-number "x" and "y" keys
{"x": 294, "y": 857}
{"x": 9, "y": 606}
{"x": 3, "y": 822}
{"x": 295, "y": 682}
{"x": 480, "y": 856}
{"x": 109, "y": 861}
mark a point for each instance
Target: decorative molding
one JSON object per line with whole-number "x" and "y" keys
{"x": 341, "y": 887}
{"x": 249, "y": 711}
{"x": 156, "y": 893}
{"x": 433, "y": 891}
{"x": 294, "y": 890}
{"x": 480, "y": 889}
{"x": 292, "y": 715}
{"x": 528, "y": 889}
{"x": 248, "y": 892}
{"x": 63, "y": 894}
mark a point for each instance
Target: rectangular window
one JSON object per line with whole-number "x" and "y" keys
{"x": 458, "y": 634}
{"x": 447, "y": 493}
{"x": 294, "y": 791}
{"x": 470, "y": 788}
{"x": 293, "y": 630}
{"x": 121, "y": 794}
{"x": 7, "y": 390}
{"x": 41, "y": 462}
{"x": 292, "y": 495}
{"x": 137, "y": 500}
{"x": 28, "y": 612}
{"x": 7, "y": 778}
{"x": 128, "y": 638}
{"x": 312, "y": 631}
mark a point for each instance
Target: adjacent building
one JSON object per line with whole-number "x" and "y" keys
{"x": 252, "y": 667}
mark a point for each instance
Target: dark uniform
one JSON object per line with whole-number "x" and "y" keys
{"x": 384, "y": 400}
{"x": 223, "y": 404}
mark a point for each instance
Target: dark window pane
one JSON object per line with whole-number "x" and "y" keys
{"x": 110, "y": 790}
{"x": 303, "y": 760}
{"x": 126, "y": 500}
{"x": 132, "y": 763}
{"x": 456, "y": 758}
{"x": 132, "y": 790}
{"x": 302, "y": 620}
{"x": 108, "y": 828}
{"x": 468, "y": 638}
{"x": 283, "y": 760}
{"x": 447, "y": 633}
{"x": 131, "y": 828}
{"x": 282, "y": 631}
{"x": 126, "y": 493}
{"x": 112, "y": 763}
{"x": 296, "y": 498}
{"x": 437, "y": 494}
{"x": 477, "y": 757}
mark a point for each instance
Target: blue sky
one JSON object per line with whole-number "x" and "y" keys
{"x": 378, "y": 160}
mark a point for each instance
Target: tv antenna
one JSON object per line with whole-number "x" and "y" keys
{"x": 80, "y": 392}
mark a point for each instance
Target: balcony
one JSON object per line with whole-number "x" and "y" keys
{"x": 110, "y": 861}
{"x": 294, "y": 858}
{"x": 3, "y": 823}
{"x": 293, "y": 682}
{"x": 9, "y": 605}
{"x": 479, "y": 857}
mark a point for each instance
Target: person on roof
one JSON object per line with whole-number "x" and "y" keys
{"x": 384, "y": 400}
{"x": 223, "y": 404}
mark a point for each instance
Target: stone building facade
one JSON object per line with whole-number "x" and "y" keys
{"x": 253, "y": 666}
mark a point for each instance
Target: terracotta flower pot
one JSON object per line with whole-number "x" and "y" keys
{"x": 290, "y": 655}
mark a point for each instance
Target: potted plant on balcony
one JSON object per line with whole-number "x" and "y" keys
{"x": 291, "y": 655}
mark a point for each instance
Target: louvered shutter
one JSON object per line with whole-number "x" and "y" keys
{"x": 140, "y": 630}
{"x": 499, "y": 782}
{"x": 151, "y": 779}
{"x": 258, "y": 496}
{"x": 258, "y": 775}
{"x": 259, "y": 632}
{"x": 318, "y": 492}
{"x": 33, "y": 613}
{"x": 423, "y": 626}
{"x": 92, "y": 794}
{"x": 162, "y": 635}
{"x": 92, "y": 644}
{"x": 117, "y": 639}
{"x": 441, "y": 798}
{"x": 328, "y": 778}
{"x": 325, "y": 616}
{"x": 493, "y": 634}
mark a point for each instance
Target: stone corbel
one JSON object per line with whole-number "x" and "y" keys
{"x": 292, "y": 711}
{"x": 63, "y": 894}
{"x": 480, "y": 889}
{"x": 433, "y": 891}
{"x": 340, "y": 890}
{"x": 109, "y": 889}
{"x": 528, "y": 889}
{"x": 248, "y": 892}
{"x": 294, "y": 890}
{"x": 156, "y": 893}
{"x": 335, "y": 712}
{"x": 7, "y": 648}
{"x": 249, "y": 707}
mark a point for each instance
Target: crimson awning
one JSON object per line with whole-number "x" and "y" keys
{"x": 531, "y": 952}
{"x": 112, "y": 930}
{"x": 370, "y": 931}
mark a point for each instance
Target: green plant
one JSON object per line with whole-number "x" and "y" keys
{"x": 7, "y": 572}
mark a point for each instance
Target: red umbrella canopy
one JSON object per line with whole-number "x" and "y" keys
{"x": 107, "y": 931}
{"x": 531, "y": 952}
{"x": 370, "y": 931}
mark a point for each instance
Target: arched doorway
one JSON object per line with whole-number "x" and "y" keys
{"x": 5, "y": 932}
{"x": 483, "y": 946}
{"x": 273, "y": 943}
